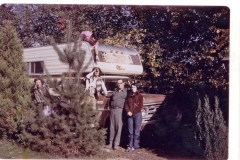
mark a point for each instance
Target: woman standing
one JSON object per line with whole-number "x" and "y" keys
{"x": 95, "y": 83}
{"x": 133, "y": 107}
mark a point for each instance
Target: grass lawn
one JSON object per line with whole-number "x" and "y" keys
{"x": 9, "y": 150}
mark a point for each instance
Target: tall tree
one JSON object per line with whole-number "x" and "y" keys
{"x": 185, "y": 45}
{"x": 15, "y": 96}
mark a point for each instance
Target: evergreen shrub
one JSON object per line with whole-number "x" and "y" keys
{"x": 72, "y": 130}
{"x": 202, "y": 130}
{"x": 15, "y": 95}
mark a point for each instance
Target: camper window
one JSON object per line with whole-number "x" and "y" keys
{"x": 35, "y": 67}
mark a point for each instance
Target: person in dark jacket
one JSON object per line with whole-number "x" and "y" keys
{"x": 41, "y": 90}
{"x": 133, "y": 107}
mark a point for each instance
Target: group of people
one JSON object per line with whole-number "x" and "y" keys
{"x": 120, "y": 100}
{"x": 132, "y": 103}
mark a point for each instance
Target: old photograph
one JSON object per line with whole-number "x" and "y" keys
{"x": 117, "y": 82}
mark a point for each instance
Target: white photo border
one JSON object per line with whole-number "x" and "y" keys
{"x": 234, "y": 111}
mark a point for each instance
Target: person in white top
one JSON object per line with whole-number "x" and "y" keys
{"x": 95, "y": 83}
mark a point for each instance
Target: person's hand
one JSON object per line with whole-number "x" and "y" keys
{"x": 129, "y": 113}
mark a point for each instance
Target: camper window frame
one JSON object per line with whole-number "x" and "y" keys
{"x": 32, "y": 67}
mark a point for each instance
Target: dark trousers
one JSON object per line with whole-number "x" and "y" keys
{"x": 115, "y": 126}
{"x": 134, "y": 125}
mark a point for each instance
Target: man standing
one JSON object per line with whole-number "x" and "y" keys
{"x": 117, "y": 102}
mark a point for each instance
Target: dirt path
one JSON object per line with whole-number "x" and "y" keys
{"x": 12, "y": 151}
{"x": 140, "y": 154}
{"x": 145, "y": 154}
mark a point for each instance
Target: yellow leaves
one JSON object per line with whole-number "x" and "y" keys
{"x": 212, "y": 51}
{"x": 217, "y": 14}
{"x": 175, "y": 24}
{"x": 128, "y": 35}
{"x": 150, "y": 64}
{"x": 139, "y": 40}
{"x": 153, "y": 64}
{"x": 175, "y": 14}
{"x": 155, "y": 73}
{"x": 143, "y": 30}
{"x": 173, "y": 67}
{"x": 129, "y": 38}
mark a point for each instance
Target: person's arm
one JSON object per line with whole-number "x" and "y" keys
{"x": 37, "y": 97}
{"x": 89, "y": 75}
{"x": 104, "y": 88}
{"x": 46, "y": 94}
{"x": 140, "y": 103}
{"x": 110, "y": 102}
{"x": 87, "y": 84}
{"x": 126, "y": 106}
{"x": 96, "y": 46}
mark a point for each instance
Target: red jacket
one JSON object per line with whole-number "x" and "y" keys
{"x": 134, "y": 103}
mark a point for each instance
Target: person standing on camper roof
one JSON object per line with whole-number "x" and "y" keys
{"x": 92, "y": 39}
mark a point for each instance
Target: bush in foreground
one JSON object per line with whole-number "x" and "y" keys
{"x": 15, "y": 96}
{"x": 72, "y": 129}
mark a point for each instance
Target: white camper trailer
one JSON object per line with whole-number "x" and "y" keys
{"x": 115, "y": 63}
{"x": 112, "y": 60}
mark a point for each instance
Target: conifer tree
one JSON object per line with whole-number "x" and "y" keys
{"x": 202, "y": 130}
{"x": 15, "y": 96}
{"x": 72, "y": 130}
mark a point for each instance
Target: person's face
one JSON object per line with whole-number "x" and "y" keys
{"x": 120, "y": 84}
{"x": 96, "y": 73}
{"x": 134, "y": 88}
{"x": 39, "y": 84}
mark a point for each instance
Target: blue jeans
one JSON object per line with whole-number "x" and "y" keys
{"x": 134, "y": 125}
